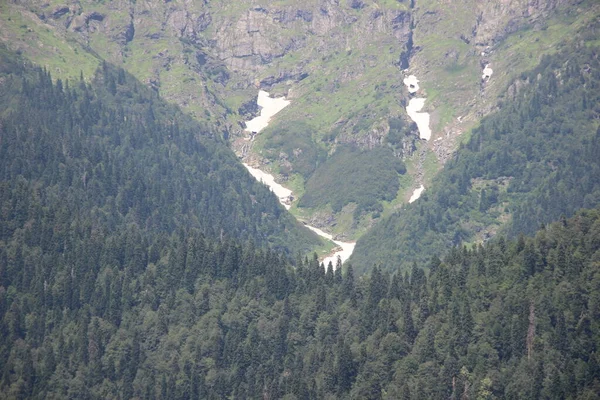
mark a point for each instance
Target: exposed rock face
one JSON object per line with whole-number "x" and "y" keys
{"x": 59, "y": 12}
{"x": 248, "y": 41}
{"x": 339, "y": 61}
{"x": 497, "y": 19}
{"x": 249, "y": 109}
{"x": 247, "y": 38}
{"x": 486, "y": 22}
{"x": 297, "y": 75}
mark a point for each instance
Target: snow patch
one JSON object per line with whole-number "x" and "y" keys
{"x": 487, "y": 72}
{"x": 284, "y": 194}
{"x": 415, "y": 105}
{"x": 320, "y": 232}
{"x": 270, "y": 107}
{"x": 420, "y": 118}
{"x": 344, "y": 253}
{"x": 412, "y": 83}
{"x": 416, "y": 194}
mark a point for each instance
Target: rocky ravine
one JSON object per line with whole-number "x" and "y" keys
{"x": 269, "y": 107}
{"x": 338, "y": 61}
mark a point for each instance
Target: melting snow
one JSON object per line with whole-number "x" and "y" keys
{"x": 345, "y": 253}
{"x": 416, "y": 194}
{"x": 487, "y": 72}
{"x": 268, "y": 179}
{"x": 270, "y": 107}
{"x": 415, "y": 105}
{"x": 412, "y": 83}
{"x": 420, "y": 118}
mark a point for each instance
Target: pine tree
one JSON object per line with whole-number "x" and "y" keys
{"x": 346, "y": 369}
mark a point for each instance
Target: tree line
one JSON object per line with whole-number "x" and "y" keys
{"x": 535, "y": 159}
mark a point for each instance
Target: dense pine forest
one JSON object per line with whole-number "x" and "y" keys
{"x": 194, "y": 318}
{"x": 535, "y": 159}
{"x": 110, "y": 154}
{"x": 138, "y": 259}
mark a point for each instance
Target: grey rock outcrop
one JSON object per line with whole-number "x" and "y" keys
{"x": 260, "y": 35}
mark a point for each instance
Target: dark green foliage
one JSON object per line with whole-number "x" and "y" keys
{"x": 293, "y": 147}
{"x": 113, "y": 286}
{"x": 112, "y": 153}
{"x": 210, "y": 318}
{"x": 400, "y": 134}
{"x": 534, "y": 160}
{"x": 354, "y": 176}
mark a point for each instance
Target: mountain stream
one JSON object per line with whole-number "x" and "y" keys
{"x": 420, "y": 118}
{"x": 269, "y": 107}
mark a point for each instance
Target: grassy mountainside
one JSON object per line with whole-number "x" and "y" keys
{"x": 339, "y": 62}
{"x": 448, "y": 57}
{"x": 114, "y": 150}
{"x": 535, "y": 159}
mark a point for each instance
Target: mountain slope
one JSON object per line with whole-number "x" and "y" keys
{"x": 535, "y": 159}
{"x": 128, "y": 313}
{"x": 114, "y": 150}
{"x": 339, "y": 63}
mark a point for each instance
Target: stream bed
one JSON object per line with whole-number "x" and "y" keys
{"x": 269, "y": 107}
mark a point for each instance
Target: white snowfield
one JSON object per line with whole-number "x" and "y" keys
{"x": 416, "y": 194}
{"x": 487, "y": 72}
{"x": 421, "y": 118}
{"x": 270, "y": 107}
{"x": 344, "y": 254}
{"x": 415, "y": 105}
{"x": 412, "y": 83}
{"x": 268, "y": 179}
